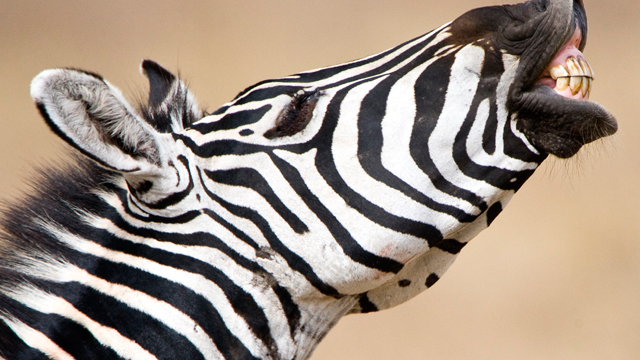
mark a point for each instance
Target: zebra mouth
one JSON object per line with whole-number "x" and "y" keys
{"x": 569, "y": 74}
{"x": 553, "y": 111}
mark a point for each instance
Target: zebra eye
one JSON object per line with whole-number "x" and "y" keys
{"x": 295, "y": 117}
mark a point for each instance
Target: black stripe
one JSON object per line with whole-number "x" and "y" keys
{"x": 325, "y": 73}
{"x": 151, "y": 334}
{"x": 290, "y": 308}
{"x": 221, "y": 110}
{"x": 366, "y": 305}
{"x": 175, "y": 197}
{"x": 70, "y": 336}
{"x": 206, "y": 239}
{"x": 293, "y": 260}
{"x": 252, "y": 179}
{"x": 491, "y": 127}
{"x": 233, "y": 120}
{"x": 342, "y": 236}
{"x": 451, "y": 246}
{"x": 430, "y": 93}
{"x": 11, "y": 346}
{"x": 267, "y": 93}
{"x": 493, "y": 212}
{"x": 325, "y": 165}
{"x": 179, "y": 219}
{"x": 234, "y": 230}
{"x": 516, "y": 148}
{"x": 219, "y": 147}
{"x": 241, "y": 301}
{"x": 180, "y": 297}
{"x": 370, "y": 142}
{"x": 498, "y": 177}
{"x": 253, "y": 94}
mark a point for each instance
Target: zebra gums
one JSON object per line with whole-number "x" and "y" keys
{"x": 248, "y": 233}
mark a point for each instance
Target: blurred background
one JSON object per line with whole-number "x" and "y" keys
{"x": 557, "y": 276}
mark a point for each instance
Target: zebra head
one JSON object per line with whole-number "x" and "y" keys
{"x": 252, "y": 230}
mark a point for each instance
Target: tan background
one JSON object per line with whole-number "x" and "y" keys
{"x": 556, "y": 277}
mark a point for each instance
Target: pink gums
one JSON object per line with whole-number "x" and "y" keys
{"x": 568, "y": 50}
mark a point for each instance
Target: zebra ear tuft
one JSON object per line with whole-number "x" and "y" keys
{"x": 160, "y": 82}
{"x": 94, "y": 117}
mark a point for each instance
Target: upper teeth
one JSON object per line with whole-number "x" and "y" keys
{"x": 576, "y": 74}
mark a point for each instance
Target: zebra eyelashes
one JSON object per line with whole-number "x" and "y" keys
{"x": 296, "y": 116}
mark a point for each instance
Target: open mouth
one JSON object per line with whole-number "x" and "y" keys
{"x": 569, "y": 74}
{"x": 554, "y": 111}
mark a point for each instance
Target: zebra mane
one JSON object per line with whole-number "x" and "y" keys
{"x": 58, "y": 196}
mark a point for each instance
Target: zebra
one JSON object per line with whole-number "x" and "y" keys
{"x": 249, "y": 232}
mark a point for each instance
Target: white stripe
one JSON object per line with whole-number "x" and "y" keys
{"x": 200, "y": 222}
{"x": 37, "y": 340}
{"x": 475, "y": 150}
{"x": 264, "y": 297}
{"x": 157, "y": 309}
{"x": 109, "y": 337}
{"x": 196, "y": 282}
{"x": 345, "y": 154}
{"x": 397, "y": 128}
{"x": 315, "y": 247}
{"x": 463, "y": 83}
{"x": 371, "y": 236}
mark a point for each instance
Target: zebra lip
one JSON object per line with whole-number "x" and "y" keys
{"x": 569, "y": 74}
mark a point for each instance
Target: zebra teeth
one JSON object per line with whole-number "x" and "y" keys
{"x": 586, "y": 67}
{"x": 575, "y": 83}
{"x": 558, "y": 72}
{"x": 562, "y": 84}
{"x": 576, "y": 74}
{"x": 586, "y": 87}
{"x": 574, "y": 67}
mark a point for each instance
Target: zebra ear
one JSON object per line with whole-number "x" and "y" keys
{"x": 160, "y": 82}
{"x": 93, "y": 116}
{"x": 172, "y": 107}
